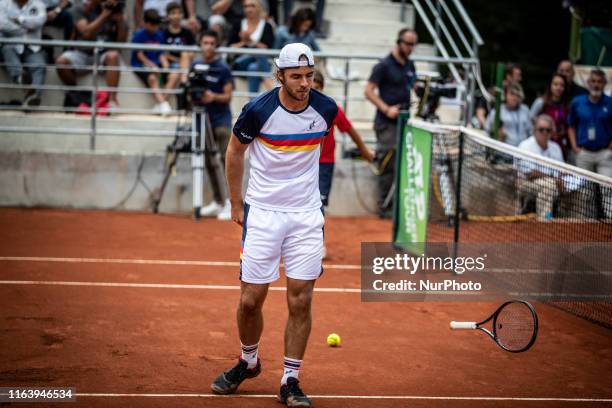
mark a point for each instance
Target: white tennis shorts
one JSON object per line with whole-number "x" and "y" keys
{"x": 269, "y": 235}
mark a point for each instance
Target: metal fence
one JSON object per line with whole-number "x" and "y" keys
{"x": 465, "y": 86}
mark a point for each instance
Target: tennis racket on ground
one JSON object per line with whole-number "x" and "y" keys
{"x": 514, "y": 326}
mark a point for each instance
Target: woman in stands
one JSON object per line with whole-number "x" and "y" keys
{"x": 555, "y": 103}
{"x": 253, "y": 32}
{"x": 301, "y": 29}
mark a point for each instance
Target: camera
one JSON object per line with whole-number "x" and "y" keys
{"x": 198, "y": 83}
{"x": 430, "y": 92}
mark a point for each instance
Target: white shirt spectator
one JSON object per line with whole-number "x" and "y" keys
{"x": 553, "y": 151}
{"x": 29, "y": 21}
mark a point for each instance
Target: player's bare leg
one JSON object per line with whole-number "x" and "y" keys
{"x": 299, "y": 300}
{"x": 250, "y": 326}
{"x": 297, "y": 331}
{"x": 250, "y": 316}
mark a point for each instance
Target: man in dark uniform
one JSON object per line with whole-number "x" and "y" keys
{"x": 394, "y": 77}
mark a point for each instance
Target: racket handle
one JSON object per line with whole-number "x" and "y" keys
{"x": 463, "y": 325}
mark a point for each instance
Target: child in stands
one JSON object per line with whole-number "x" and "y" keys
{"x": 153, "y": 60}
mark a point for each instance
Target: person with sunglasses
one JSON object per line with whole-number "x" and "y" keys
{"x": 540, "y": 182}
{"x": 389, "y": 88}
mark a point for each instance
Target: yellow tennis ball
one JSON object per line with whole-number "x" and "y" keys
{"x": 333, "y": 340}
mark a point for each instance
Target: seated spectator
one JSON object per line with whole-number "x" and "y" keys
{"x": 566, "y": 68}
{"x": 540, "y": 182}
{"x": 299, "y": 30}
{"x": 95, "y": 20}
{"x": 217, "y": 100}
{"x": 514, "y": 115}
{"x": 175, "y": 34}
{"x": 161, "y": 6}
{"x": 254, "y": 32}
{"x": 58, "y": 15}
{"x": 319, "y": 11}
{"x": 555, "y": 104}
{"x": 152, "y": 60}
{"x": 24, "y": 19}
{"x": 217, "y": 24}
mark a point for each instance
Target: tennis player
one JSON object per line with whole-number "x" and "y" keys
{"x": 281, "y": 213}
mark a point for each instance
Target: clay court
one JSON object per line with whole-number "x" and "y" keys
{"x": 138, "y": 310}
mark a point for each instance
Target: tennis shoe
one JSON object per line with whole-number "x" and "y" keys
{"x": 291, "y": 395}
{"x": 228, "y": 382}
{"x": 226, "y": 212}
{"x": 211, "y": 210}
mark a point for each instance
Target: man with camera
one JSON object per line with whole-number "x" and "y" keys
{"x": 95, "y": 20}
{"x": 215, "y": 98}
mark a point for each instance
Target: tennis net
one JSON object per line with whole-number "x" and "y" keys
{"x": 508, "y": 195}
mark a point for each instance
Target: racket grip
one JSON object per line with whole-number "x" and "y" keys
{"x": 462, "y": 325}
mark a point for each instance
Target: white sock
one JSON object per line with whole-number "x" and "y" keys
{"x": 249, "y": 354}
{"x": 291, "y": 368}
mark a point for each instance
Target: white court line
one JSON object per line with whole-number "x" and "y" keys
{"x": 144, "y": 261}
{"x": 371, "y": 397}
{"x": 163, "y": 286}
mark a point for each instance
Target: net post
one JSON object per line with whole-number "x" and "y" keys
{"x": 458, "y": 196}
{"x": 402, "y": 119}
{"x": 499, "y": 78}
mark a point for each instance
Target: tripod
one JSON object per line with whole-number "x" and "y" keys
{"x": 199, "y": 140}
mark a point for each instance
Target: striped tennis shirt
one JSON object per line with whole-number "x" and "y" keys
{"x": 284, "y": 150}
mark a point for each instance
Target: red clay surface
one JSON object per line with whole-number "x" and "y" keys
{"x": 138, "y": 340}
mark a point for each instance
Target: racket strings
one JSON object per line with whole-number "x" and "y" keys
{"x": 515, "y": 326}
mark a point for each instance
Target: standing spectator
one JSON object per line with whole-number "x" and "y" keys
{"x": 540, "y": 182}
{"x": 515, "y": 121}
{"x": 24, "y": 19}
{"x": 394, "y": 77}
{"x": 513, "y": 74}
{"x": 590, "y": 131}
{"x": 152, "y": 60}
{"x": 590, "y": 126}
{"x": 555, "y": 103}
{"x": 59, "y": 16}
{"x": 566, "y": 68}
{"x": 175, "y": 34}
{"x": 161, "y": 6}
{"x": 95, "y": 20}
{"x": 328, "y": 147}
{"x": 253, "y": 32}
{"x": 216, "y": 100}
{"x": 299, "y": 30}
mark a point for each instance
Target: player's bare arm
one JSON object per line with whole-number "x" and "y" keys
{"x": 234, "y": 169}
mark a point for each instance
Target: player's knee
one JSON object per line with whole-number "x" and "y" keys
{"x": 249, "y": 305}
{"x": 299, "y": 304}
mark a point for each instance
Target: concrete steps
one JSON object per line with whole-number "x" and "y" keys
{"x": 358, "y": 10}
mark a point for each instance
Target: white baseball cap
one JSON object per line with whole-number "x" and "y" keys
{"x": 291, "y": 54}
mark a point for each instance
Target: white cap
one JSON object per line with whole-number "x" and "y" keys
{"x": 290, "y": 56}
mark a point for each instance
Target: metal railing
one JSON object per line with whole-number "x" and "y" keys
{"x": 98, "y": 47}
{"x": 442, "y": 35}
